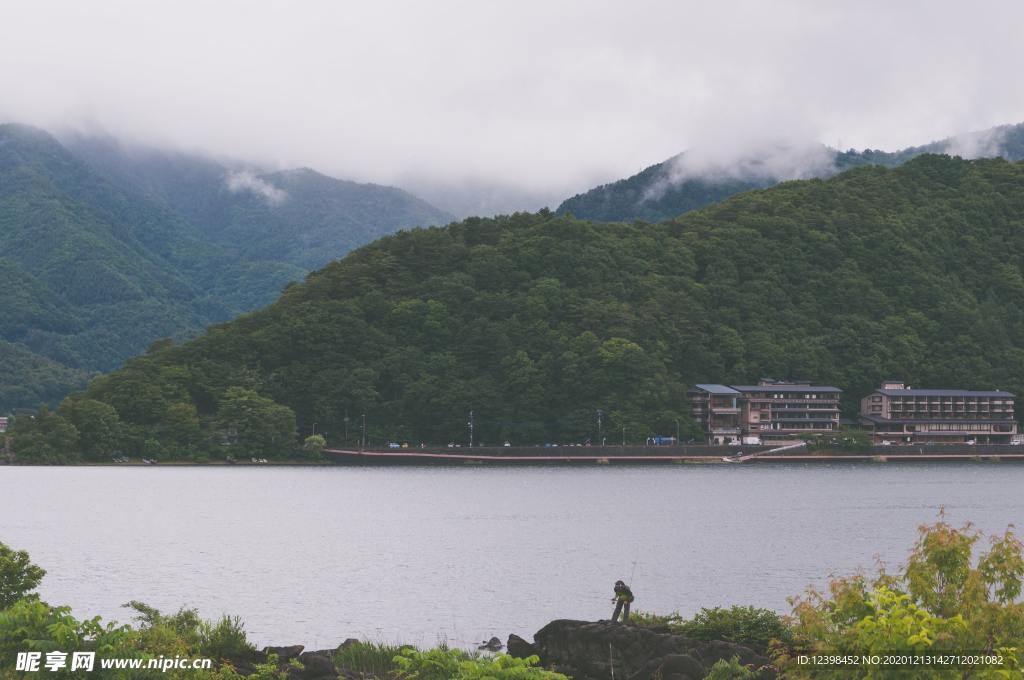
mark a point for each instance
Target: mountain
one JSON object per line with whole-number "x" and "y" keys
{"x": 88, "y": 275}
{"x": 535, "y": 321}
{"x": 299, "y": 217}
{"x": 683, "y": 182}
{"x": 107, "y": 249}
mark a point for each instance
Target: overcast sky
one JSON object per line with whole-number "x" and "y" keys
{"x": 539, "y": 95}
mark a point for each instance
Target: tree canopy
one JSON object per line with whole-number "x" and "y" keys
{"x": 537, "y": 321}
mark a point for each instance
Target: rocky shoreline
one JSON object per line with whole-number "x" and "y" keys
{"x": 582, "y": 650}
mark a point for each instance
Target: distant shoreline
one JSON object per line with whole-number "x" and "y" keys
{"x": 587, "y": 456}
{"x": 649, "y": 456}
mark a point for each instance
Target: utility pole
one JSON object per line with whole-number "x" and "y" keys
{"x": 599, "y": 414}
{"x": 346, "y": 427}
{"x": 470, "y": 429}
{"x": 362, "y": 441}
{"x": 623, "y": 435}
{"x": 677, "y": 431}
{"x": 314, "y": 429}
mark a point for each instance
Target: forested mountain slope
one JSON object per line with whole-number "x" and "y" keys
{"x": 298, "y": 216}
{"x": 95, "y": 265}
{"x": 535, "y": 321}
{"x": 88, "y": 275}
{"x": 671, "y": 188}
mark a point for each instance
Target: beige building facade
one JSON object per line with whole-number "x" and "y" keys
{"x": 770, "y": 411}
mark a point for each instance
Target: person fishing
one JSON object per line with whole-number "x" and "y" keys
{"x": 622, "y": 599}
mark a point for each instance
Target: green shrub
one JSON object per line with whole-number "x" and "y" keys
{"x": 225, "y": 639}
{"x": 442, "y": 663}
{"x": 18, "y": 576}
{"x": 652, "y": 620}
{"x": 749, "y": 626}
{"x": 940, "y": 603}
{"x": 270, "y": 671}
{"x": 368, "y": 659}
{"x": 730, "y": 670}
{"x": 33, "y": 625}
{"x": 186, "y": 625}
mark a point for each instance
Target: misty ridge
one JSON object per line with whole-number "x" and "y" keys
{"x": 726, "y": 165}
{"x": 109, "y": 246}
{"x": 781, "y": 158}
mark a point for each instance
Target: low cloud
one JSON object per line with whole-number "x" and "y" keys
{"x": 501, "y": 94}
{"x": 984, "y": 144}
{"x": 746, "y": 158}
{"x": 756, "y": 160}
{"x": 244, "y": 180}
{"x": 766, "y": 161}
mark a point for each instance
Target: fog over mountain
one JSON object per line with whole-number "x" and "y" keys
{"x": 707, "y": 174}
{"x": 108, "y": 247}
{"x": 529, "y": 101}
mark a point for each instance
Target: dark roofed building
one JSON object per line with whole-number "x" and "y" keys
{"x": 772, "y": 410}
{"x": 716, "y": 410}
{"x": 898, "y": 414}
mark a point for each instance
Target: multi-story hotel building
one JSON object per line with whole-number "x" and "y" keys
{"x": 772, "y": 410}
{"x": 896, "y": 414}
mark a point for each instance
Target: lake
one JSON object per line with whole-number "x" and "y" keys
{"x": 313, "y": 555}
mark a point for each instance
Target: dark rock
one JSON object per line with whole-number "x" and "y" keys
{"x": 590, "y": 651}
{"x": 329, "y": 653}
{"x": 317, "y": 667}
{"x": 348, "y": 643}
{"x": 675, "y": 667}
{"x": 284, "y": 654}
{"x": 520, "y": 648}
{"x": 492, "y": 645}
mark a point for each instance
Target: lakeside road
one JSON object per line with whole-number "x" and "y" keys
{"x": 584, "y": 455}
{"x": 692, "y": 454}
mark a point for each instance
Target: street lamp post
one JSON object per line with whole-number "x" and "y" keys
{"x": 677, "y": 431}
{"x": 623, "y": 435}
{"x": 470, "y": 429}
{"x": 362, "y": 440}
{"x": 599, "y": 414}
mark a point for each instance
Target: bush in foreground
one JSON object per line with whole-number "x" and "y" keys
{"x": 945, "y": 601}
{"x": 442, "y": 663}
{"x": 756, "y": 628}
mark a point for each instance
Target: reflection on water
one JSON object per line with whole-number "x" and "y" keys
{"x": 316, "y": 555}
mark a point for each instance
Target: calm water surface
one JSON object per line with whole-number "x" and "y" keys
{"x": 315, "y": 555}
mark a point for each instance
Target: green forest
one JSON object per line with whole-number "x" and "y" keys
{"x": 107, "y": 249}
{"x": 536, "y": 321}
